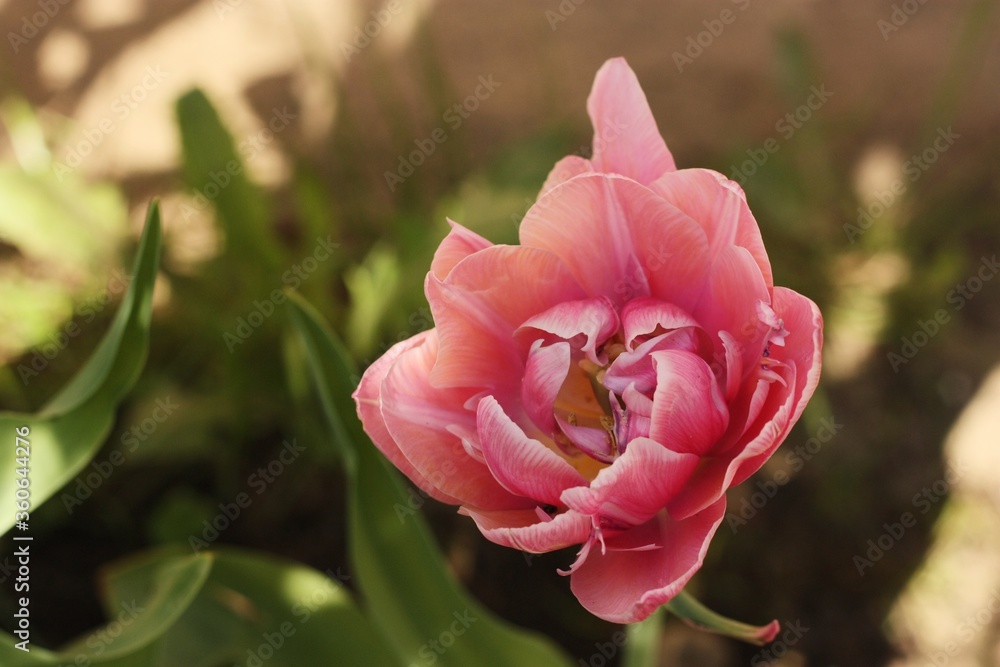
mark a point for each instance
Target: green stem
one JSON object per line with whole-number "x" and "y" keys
{"x": 698, "y": 615}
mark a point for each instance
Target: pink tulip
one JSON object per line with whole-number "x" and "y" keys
{"x": 605, "y": 382}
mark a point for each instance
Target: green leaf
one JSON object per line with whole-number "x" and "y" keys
{"x": 216, "y": 173}
{"x": 253, "y": 604}
{"x": 68, "y": 431}
{"x": 421, "y": 610}
{"x": 153, "y": 595}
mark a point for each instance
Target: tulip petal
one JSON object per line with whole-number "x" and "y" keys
{"x": 689, "y": 412}
{"x": 802, "y": 354}
{"x": 521, "y": 529}
{"x": 643, "y": 316}
{"x": 619, "y": 239}
{"x": 421, "y": 420}
{"x": 626, "y": 139}
{"x": 484, "y": 299}
{"x": 459, "y": 244}
{"x": 565, "y": 169}
{"x": 780, "y": 408}
{"x": 636, "y": 486}
{"x": 544, "y": 374}
{"x": 729, "y": 302}
{"x": 719, "y": 206}
{"x": 594, "y": 319}
{"x": 626, "y": 586}
{"x": 367, "y": 398}
{"x": 523, "y": 466}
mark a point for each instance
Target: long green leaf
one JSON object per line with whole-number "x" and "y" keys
{"x": 421, "y": 610}
{"x": 214, "y": 169}
{"x": 158, "y": 594}
{"x": 68, "y": 431}
{"x": 255, "y": 605}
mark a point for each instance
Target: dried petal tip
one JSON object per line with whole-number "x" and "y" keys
{"x": 698, "y": 615}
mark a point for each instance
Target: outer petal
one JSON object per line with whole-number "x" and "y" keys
{"x": 627, "y": 586}
{"x": 422, "y": 420}
{"x": 368, "y": 401}
{"x": 565, "y": 169}
{"x": 522, "y": 465}
{"x": 521, "y": 529}
{"x": 802, "y": 351}
{"x": 689, "y": 413}
{"x": 626, "y": 139}
{"x": 620, "y": 240}
{"x": 459, "y": 244}
{"x": 480, "y": 304}
{"x": 636, "y": 486}
{"x": 719, "y": 206}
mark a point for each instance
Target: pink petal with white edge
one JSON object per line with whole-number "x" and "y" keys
{"x": 565, "y": 169}
{"x": 729, "y": 302}
{"x": 627, "y": 586}
{"x": 781, "y": 407}
{"x": 484, "y": 299}
{"x": 594, "y": 319}
{"x": 802, "y": 352}
{"x": 524, "y": 466}
{"x": 719, "y": 206}
{"x": 368, "y": 401}
{"x": 613, "y": 234}
{"x": 636, "y": 486}
{"x": 626, "y": 139}
{"x": 689, "y": 413}
{"x": 522, "y": 529}
{"x": 544, "y": 374}
{"x": 421, "y": 420}
{"x": 643, "y": 316}
{"x": 459, "y": 244}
